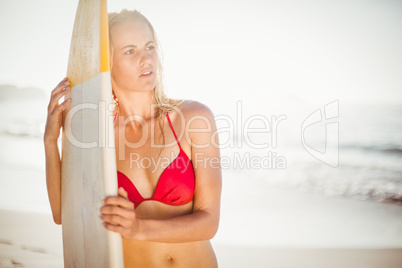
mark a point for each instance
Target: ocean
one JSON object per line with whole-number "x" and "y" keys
{"x": 366, "y": 162}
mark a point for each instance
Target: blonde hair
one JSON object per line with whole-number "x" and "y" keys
{"x": 163, "y": 103}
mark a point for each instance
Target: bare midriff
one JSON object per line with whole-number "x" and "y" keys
{"x": 156, "y": 254}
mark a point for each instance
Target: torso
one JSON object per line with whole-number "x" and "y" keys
{"x": 152, "y": 254}
{"x": 155, "y": 254}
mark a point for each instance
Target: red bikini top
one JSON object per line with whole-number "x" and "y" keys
{"x": 175, "y": 186}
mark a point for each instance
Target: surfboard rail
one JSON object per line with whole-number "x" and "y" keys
{"x": 88, "y": 169}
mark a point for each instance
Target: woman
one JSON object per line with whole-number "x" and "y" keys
{"x": 169, "y": 186}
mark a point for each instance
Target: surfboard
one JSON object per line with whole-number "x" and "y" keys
{"x": 88, "y": 154}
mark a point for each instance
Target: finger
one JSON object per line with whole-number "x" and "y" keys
{"x": 116, "y": 220}
{"x": 122, "y": 192}
{"x": 53, "y": 120}
{"x": 63, "y": 83}
{"x": 60, "y": 107}
{"x": 115, "y": 210}
{"x": 54, "y": 101}
{"x": 118, "y": 201}
{"x": 114, "y": 228}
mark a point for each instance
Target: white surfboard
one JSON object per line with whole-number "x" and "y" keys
{"x": 88, "y": 154}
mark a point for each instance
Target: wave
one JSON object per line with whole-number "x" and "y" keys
{"x": 375, "y": 183}
{"x": 34, "y": 131}
{"x": 11, "y": 92}
{"x": 23, "y": 128}
{"x": 395, "y": 149}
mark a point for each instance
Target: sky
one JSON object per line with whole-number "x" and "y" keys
{"x": 218, "y": 52}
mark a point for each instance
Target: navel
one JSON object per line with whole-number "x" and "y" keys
{"x": 169, "y": 259}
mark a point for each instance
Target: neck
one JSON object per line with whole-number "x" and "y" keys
{"x": 136, "y": 103}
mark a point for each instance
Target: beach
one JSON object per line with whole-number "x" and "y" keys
{"x": 30, "y": 239}
{"x": 267, "y": 227}
{"x": 264, "y": 223}
{"x": 307, "y": 214}
{"x": 308, "y": 102}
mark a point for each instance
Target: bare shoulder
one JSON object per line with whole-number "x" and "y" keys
{"x": 195, "y": 111}
{"x": 199, "y": 124}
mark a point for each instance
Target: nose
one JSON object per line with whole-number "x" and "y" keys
{"x": 145, "y": 58}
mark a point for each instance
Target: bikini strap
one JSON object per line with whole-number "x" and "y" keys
{"x": 114, "y": 119}
{"x": 174, "y": 133}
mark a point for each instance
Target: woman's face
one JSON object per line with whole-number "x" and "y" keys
{"x": 134, "y": 59}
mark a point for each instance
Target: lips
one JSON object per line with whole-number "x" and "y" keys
{"x": 146, "y": 73}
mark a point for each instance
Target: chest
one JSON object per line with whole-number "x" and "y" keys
{"x": 144, "y": 154}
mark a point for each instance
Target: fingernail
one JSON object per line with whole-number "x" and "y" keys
{"x": 67, "y": 82}
{"x": 66, "y": 88}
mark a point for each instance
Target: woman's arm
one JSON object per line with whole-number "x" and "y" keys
{"x": 52, "y": 132}
{"x": 202, "y": 224}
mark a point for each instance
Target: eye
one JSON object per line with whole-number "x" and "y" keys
{"x": 150, "y": 48}
{"x": 128, "y": 52}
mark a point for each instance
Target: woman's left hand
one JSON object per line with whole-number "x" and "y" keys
{"x": 118, "y": 215}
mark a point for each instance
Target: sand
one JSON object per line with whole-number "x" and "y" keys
{"x": 29, "y": 240}
{"x": 256, "y": 214}
{"x": 261, "y": 226}
{"x": 233, "y": 257}
{"x": 33, "y": 240}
